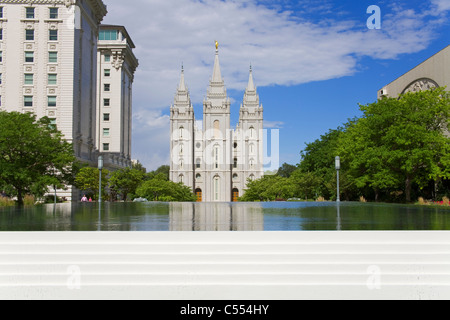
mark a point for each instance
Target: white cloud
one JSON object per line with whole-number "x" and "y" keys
{"x": 283, "y": 49}
{"x": 273, "y": 124}
{"x": 442, "y": 5}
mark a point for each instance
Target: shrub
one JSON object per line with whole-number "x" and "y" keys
{"x": 29, "y": 200}
{"x": 6, "y": 202}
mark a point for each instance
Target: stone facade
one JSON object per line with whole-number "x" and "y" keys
{"x": 215, "y": 160}
{"x": 49, "y": 66}
{"x": 116, "y": 65}
{"x": 434, "y": 72}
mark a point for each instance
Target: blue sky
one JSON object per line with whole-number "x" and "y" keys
{"x": 313, "y": 61}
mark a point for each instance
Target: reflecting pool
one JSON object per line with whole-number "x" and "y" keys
{"x": 267, "y": 216}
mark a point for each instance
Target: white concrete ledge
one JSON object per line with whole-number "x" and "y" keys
{"x": 225, "y": 265}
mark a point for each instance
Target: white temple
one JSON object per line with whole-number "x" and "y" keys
{"x": 216, "y": 161}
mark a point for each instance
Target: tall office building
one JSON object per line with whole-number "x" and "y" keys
{"x": 116, "y": 65}
{"x": 48, "y": 66}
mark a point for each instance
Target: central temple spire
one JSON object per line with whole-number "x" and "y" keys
{"x": 217, "y": 93}
{"x": 217, "y": 75}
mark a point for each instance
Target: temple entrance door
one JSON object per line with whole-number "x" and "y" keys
{"x": 235, "y": 193}
{"x": 199, "y": 195}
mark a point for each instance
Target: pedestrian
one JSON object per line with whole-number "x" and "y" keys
{"x": 84, "y": 199}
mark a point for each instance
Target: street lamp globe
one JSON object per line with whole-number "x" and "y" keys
{"x": 338, "y": 163}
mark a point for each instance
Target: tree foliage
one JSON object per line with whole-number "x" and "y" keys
{"x": 87, "y": 180}
{"x": 397, "y": 148}
{"x": 34, "y": 156}
{"x": 399, "y": 143}
{"x": 126, "y": 181}
{"x": 160, "y": 189}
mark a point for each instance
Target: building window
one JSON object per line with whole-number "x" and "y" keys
{"x": 1, "y": 12}
{"x": 106, "y": 117}
{"x": 216, "y": 129}
{"x": 52, "y": 124}
{"x": 107, "y": 87}
{"x": 30, "y": 13}
{"x": 28, "y": 101}
{"x": 235, "y": 176}
{"x": 181, "y": 132}
{"x": 106, "y": 132}
{"x": 53, "y": 35}
{"x": 107, "y": 72}
{"x": 235, "y": 163}
{"x": 53, "y": 13}
{"x": 107, "y": 58}
{"x": 198, "y": 176}
{"x": 1, "y": 56}
{"x": 216, "y": 188}
{"x": 0, "y": 78}
{"x": 29, "y": 34}
{"x": 52, "y": 101}
{"x": 198, "y": 163}
{"x": 216, "y": 157}
{"x": 29, "y": 56}
{"x": 107, "y": 35}
{"x": 106, "y": 102}
{"x": 1, "y": 34}
{"x": 53, "y": 57}
{"x": 252, "y": 132}
{"x": 106, "y": 147}
{"x": 252, "y": 164}
{"x": 28, "y": 79}
{"x": 52, "y": 79}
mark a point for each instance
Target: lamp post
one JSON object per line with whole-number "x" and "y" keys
{"x": 338, "y": 167}
{"x": 100, "y": 167}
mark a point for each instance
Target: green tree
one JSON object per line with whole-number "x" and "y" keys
{"x": 160, "y": 189}
{"x": 125, "y": 181}
{"x": 138, "y": 166}
{"x": 317, "y": 173}
{"x": 399, "y": 143}
{"x": 87, "y": 180}
{"x": 286, "y": 170}
{"x": 308, "y": 184}
{"x": 34, "y": 156}
{"x": 268, "y": 188}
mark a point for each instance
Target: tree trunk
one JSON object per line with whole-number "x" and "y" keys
{"x": 19, "y": 198}
{"x": 408, "y": 186}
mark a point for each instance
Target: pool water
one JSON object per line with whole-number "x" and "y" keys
{"x": 265, "y": 216}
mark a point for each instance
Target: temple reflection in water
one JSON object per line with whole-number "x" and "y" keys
{"x": 215, "y": 217}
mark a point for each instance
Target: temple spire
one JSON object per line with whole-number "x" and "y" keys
{"x": 182, "y": 86}
{"x": 251, "y": 84}
{"x": 217, "y": 75}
